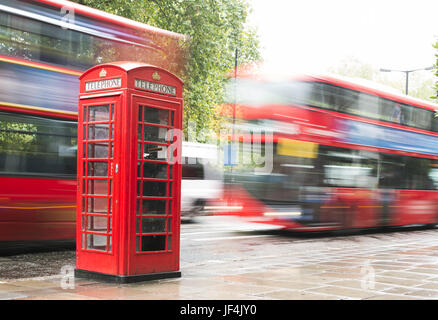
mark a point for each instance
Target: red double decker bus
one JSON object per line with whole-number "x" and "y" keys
{"x": 44, "y": 46}
{"x": 344, "y": 154}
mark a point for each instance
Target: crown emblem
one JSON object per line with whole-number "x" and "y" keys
{"x": 102, "y": 73}
{"x": 156, "y": 76}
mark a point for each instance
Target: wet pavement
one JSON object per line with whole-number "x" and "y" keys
{"x": 218, "y": 263}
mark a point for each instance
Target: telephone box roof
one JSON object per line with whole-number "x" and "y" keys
{"x": 126, "y": 66}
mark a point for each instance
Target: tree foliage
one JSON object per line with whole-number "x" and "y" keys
{"x": 215, "y": 29}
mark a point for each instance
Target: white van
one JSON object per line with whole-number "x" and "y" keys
{"x": 202, "y": 178}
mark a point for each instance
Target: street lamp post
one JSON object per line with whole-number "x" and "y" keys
{"x": 406, "y": 72}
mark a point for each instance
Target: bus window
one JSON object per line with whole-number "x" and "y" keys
{"x": 421, "y": 118}
{"x": 349, "y": 168}
{"x": 324, "y": 96}
{"x": 406, "y": 114}
{"x": 435, "y": 123}
{"x": 392, "y": 171}
{"x": 347, "y": 101}
{"x": 418, "y": 175}
{"x": 367, "y": 106}
{"x": 386, "y": 109}
{"x": 37, "y": 146}
{"x": 433, "y": 174}
{"x": 333, "y": 98}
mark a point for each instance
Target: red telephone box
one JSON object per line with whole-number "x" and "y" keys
{"x": 129, "y": 173}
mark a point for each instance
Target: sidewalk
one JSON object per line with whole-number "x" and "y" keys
{"x": 381, "y": 270}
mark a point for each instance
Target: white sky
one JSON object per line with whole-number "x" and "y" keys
{"x": 316, "y": 34}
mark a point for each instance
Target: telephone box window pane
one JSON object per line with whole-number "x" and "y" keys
{"x": 97, "y": 150}
{"x": 169, "y": 212}
{"x": 140, "y": 132}
{"x": 154, "y": 115}
{"x": 155, "y": 170}
{"x": 112, "y": 112}
{"x": 97, "y": 169}
{"x": 138, "y": 207}
{"x": 139, "y": 169}
{"x": 154, "y": 152}
{"x": 110, "y": 225}
{"x": 139, "y": 188}
{"x": 97, "y": 205}
{"x": 96, "y": 242}
{"x": 110, "y": 243}
{"x": 85, "y": 116}
{"x": 172, "y": 118}
{"x": 98, "y": 132}
{"x": 155, "y": 134}
{"x": 170, "y": 189}
{"x": 154, "y": 188}
{"x": 169, "y": 243}
{"x": 153, "y": 243}
{"x": 97, "y": 187}
{"x": 84, "y": 150}
{"x": 169, "y": 225}
{"x": 139, "y": 151}
{"x": 83, "y": 223}
{"x": 98, "y": 113}
{"x": 153, "y": 225}
{"x": 140, "y": 114}
{"x": 151, "y": 206}
{"x": 170, "y": 172}
{"x": 96, "y": 224}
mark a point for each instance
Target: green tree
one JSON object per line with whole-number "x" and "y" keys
{"x": 215, "y": 29}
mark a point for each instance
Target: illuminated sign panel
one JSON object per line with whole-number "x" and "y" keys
{"x": 103, "y": 84}
{"x": 153, "y": 86}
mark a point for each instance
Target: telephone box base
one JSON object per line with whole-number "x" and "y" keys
{"x": 125, "y": 279}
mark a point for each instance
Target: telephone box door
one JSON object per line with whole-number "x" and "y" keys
{"x": 158, "y": 175}
{"x": 97, "y": 167}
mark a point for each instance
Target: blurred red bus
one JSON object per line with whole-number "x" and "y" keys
{"x": 344, "y": 154}
{"x": 45, "y": 45}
